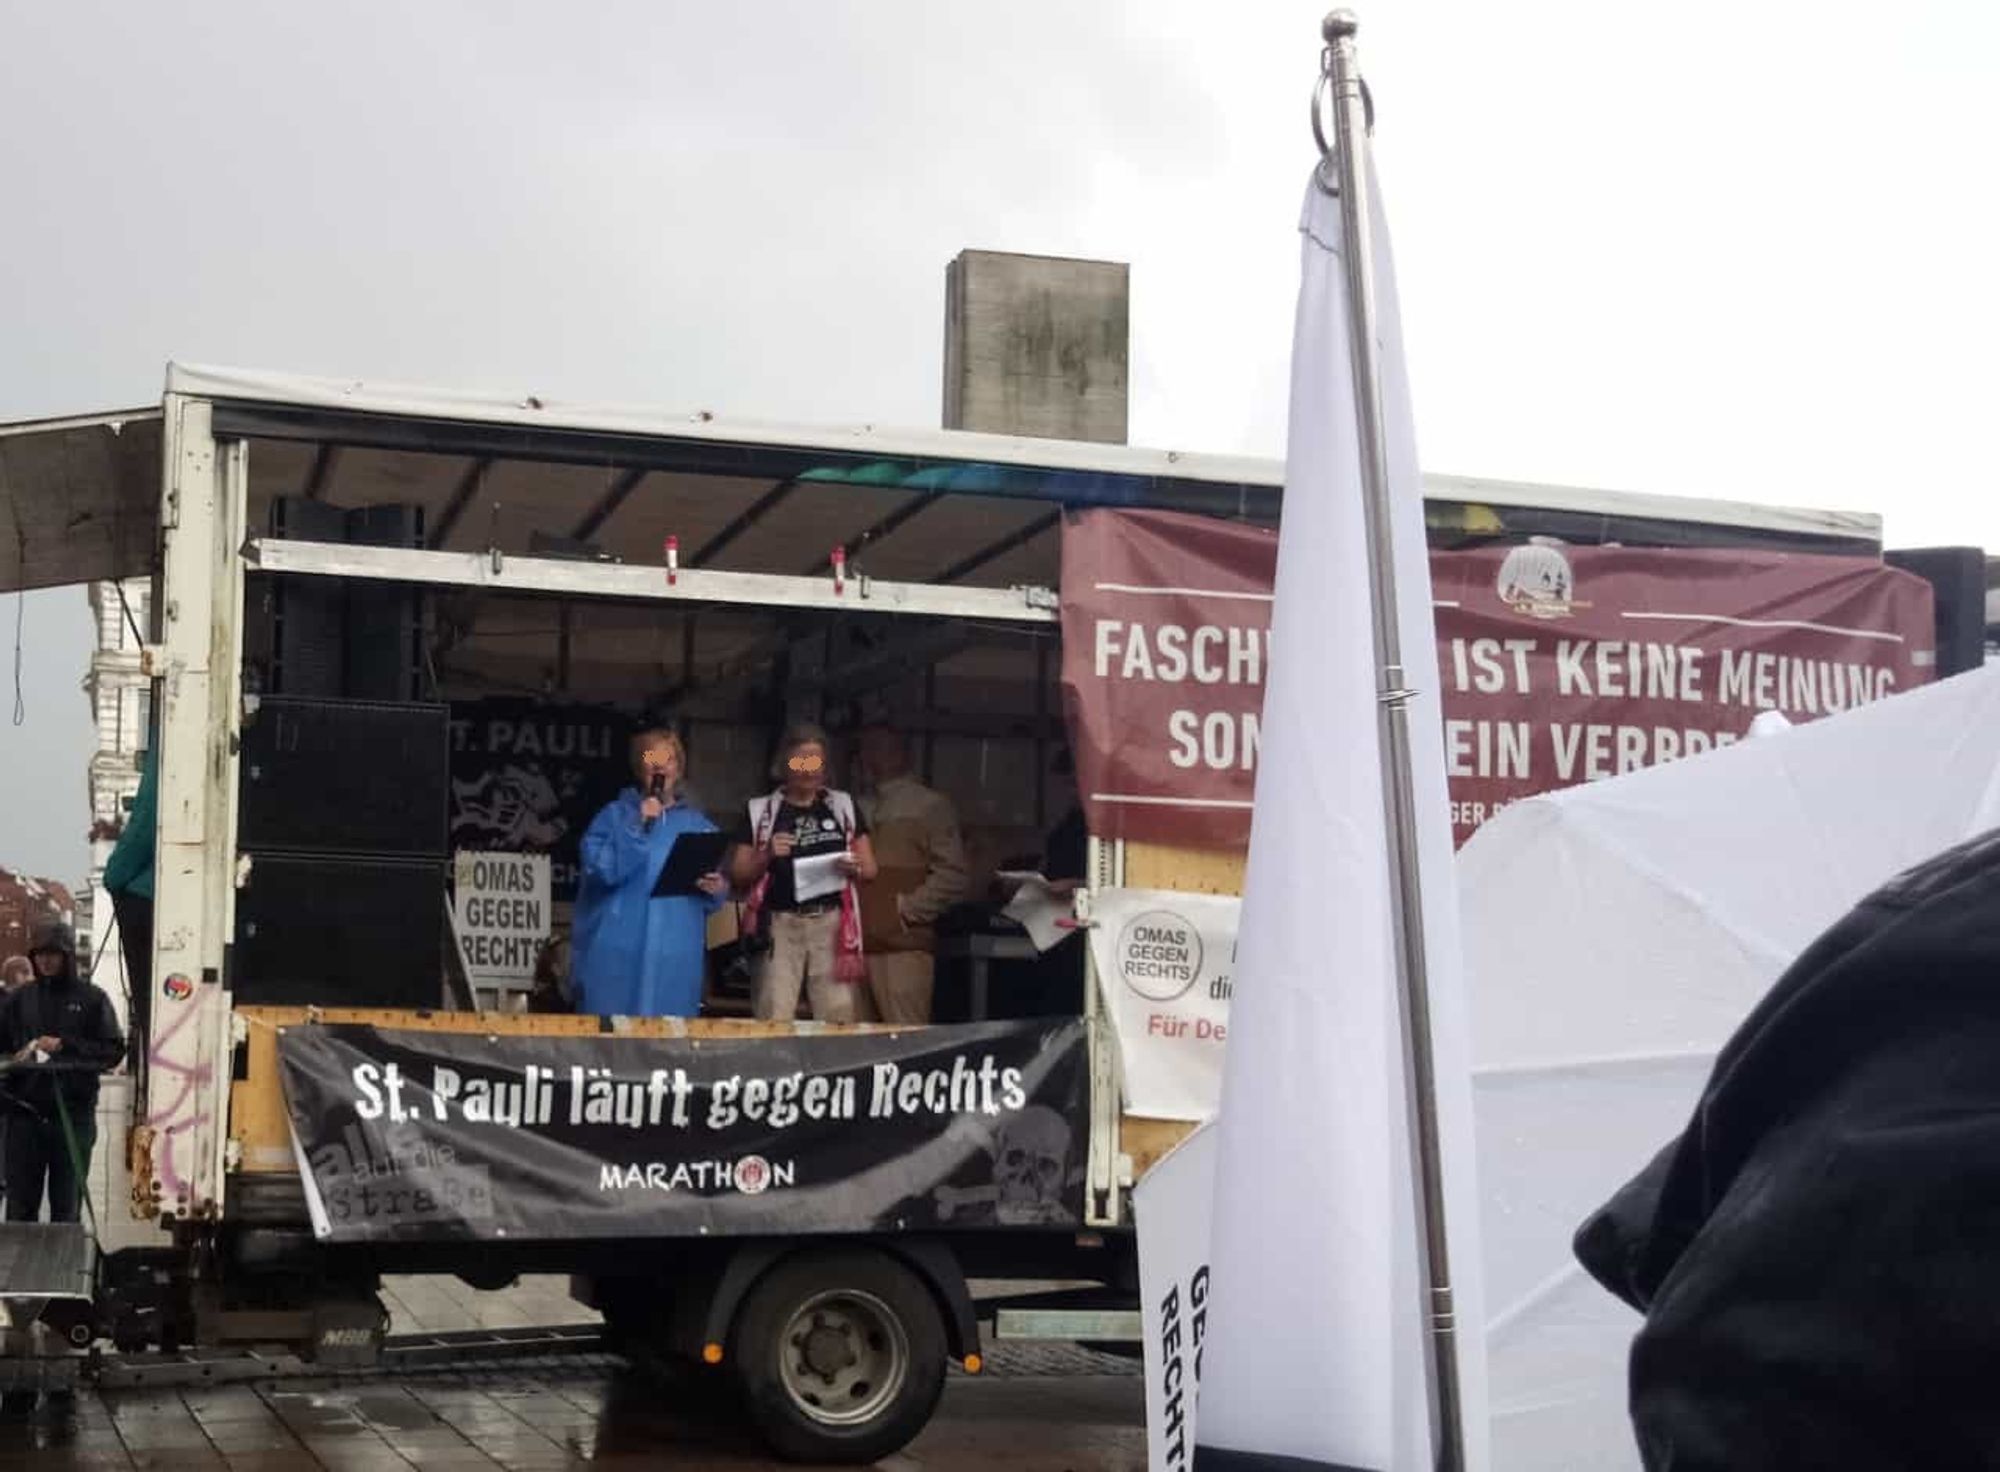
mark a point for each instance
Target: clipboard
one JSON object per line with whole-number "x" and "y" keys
{"x": 693, "y": 855}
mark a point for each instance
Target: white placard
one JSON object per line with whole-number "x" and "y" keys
{"x": 1048, "y": 917}
{"x": 1164, "y": 962}
{"x": 502, "y": 912}
{"x": 818, "y": 876}
{"x": 1170, "y": 1207}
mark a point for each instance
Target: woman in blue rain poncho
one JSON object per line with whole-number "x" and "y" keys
{"x": 636, "y": 954}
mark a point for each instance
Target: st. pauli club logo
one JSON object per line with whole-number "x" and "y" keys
{"x": 1537, "y": 580}
{"x": 753, "y": 1174}
{"x": 513, "y": 807}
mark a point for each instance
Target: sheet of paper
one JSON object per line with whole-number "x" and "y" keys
{"x": 817, "y": 877}
{"x": 1041, "y": 912}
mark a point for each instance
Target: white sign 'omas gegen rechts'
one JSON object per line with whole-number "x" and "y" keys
{"x": 501, "y": 903}
{"x": 1164, "y": 963}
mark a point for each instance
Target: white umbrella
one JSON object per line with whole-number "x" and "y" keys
{"x": 1615, "y": 935}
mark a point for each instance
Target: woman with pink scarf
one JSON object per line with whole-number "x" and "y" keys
{"x": 807, "y": 845}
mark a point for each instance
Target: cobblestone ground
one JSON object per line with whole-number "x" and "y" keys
{"x": 1035, "y": 1411}
{"x": 1036, "y": 1408}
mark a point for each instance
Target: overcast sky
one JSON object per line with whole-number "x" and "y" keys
{"x": 1745, "y": 250}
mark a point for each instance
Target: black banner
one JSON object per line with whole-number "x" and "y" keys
{"x": 531, "y": 1138}
{"x": 527, "y": 777}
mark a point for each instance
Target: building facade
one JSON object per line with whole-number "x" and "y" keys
{"x": 121, "y": 705}
{"x": 120, "y": 698}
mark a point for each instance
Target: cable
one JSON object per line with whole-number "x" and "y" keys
{"x": 79, "y": 1167}
{"x": 135, "y": 1043}
{"x": 20, "y": 621}
{"x": 20, "y": 605}
{"x": 97, "y": 954}
{"x": 130, "y": 622}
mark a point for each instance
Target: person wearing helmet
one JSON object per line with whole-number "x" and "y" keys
{"x": 57, "y": 1034}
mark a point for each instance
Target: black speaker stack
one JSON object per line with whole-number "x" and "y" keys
{"x": 1957, "y": 576}
{"x": 307, "y": 616}
{"x": 343, "y": 815}
{"x": 360, "y": 639}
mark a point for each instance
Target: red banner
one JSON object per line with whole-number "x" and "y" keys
{"x": 1558, "y": 664}
{"x": 1166, "y": 628}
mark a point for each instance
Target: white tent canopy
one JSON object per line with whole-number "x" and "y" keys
{"x": 1615, "y": 936}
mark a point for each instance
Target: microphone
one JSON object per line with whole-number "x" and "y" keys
{"x": 657, "y": 787}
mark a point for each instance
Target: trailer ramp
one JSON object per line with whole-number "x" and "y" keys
{"x": 47, "y": 1271}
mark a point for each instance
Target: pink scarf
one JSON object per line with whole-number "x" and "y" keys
{"x": 850, "y": 965}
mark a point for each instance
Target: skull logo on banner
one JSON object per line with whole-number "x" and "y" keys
{"x": 1031, "y": 1167}
{"x": 1031, "y": 1175}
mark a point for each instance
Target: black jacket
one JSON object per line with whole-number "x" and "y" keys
{"x": 1818, "y": 1255}
{"x": 81, "y": 1015}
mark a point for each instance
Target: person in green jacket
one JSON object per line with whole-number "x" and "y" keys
{"x": 128, "y": 878}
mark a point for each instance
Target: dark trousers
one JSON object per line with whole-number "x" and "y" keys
{"x": 135, "y": 942}
{"x": 37, "y": 1159}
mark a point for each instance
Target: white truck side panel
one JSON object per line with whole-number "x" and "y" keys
{"x": 187, "y": 1050}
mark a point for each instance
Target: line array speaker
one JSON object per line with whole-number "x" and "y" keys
{"x": 313, "y": 929}
{"x": 346, "y": 777}
{"x": 362, "y": 639}
{"x": 1957, "y": 576}
{"x": 343, "y": 812}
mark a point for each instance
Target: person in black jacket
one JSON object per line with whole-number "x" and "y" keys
{"x": 1818, "y": 1255}
{"x": 58, "y": 1034}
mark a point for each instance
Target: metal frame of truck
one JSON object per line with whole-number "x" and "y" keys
{"x": 209, "y": 1132}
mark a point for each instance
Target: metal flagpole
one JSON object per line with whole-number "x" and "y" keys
{"x": 1349, "y": 165}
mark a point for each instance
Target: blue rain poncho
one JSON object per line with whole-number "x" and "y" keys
{"x": 634, "y": 955}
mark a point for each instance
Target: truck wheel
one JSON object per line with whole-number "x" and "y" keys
{"x": 839, "y": 1356}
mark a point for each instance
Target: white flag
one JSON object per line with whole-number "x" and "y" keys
{"x": 1315, "y": 1338}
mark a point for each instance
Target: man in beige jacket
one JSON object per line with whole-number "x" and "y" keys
{"x": 922, "y": 873}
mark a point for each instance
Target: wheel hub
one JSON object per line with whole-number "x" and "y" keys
{"x": 844, "y": 1356}
{"x": 828, "y": 1348}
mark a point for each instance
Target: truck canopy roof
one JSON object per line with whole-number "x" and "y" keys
{"x": 79, "y": 497}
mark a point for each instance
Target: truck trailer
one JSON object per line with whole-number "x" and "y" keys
{"x": 394, "y": 625}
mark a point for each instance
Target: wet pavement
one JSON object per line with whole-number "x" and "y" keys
{"x": 1043, "y": 1409}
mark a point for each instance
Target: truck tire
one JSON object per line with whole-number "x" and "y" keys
{"x": 839, "y": 1356}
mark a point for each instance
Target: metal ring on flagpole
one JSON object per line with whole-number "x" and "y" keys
{"x": 1323, "y": 175}
{"x": 1323, "y": 88}
{"x": 1320, "y": 88}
